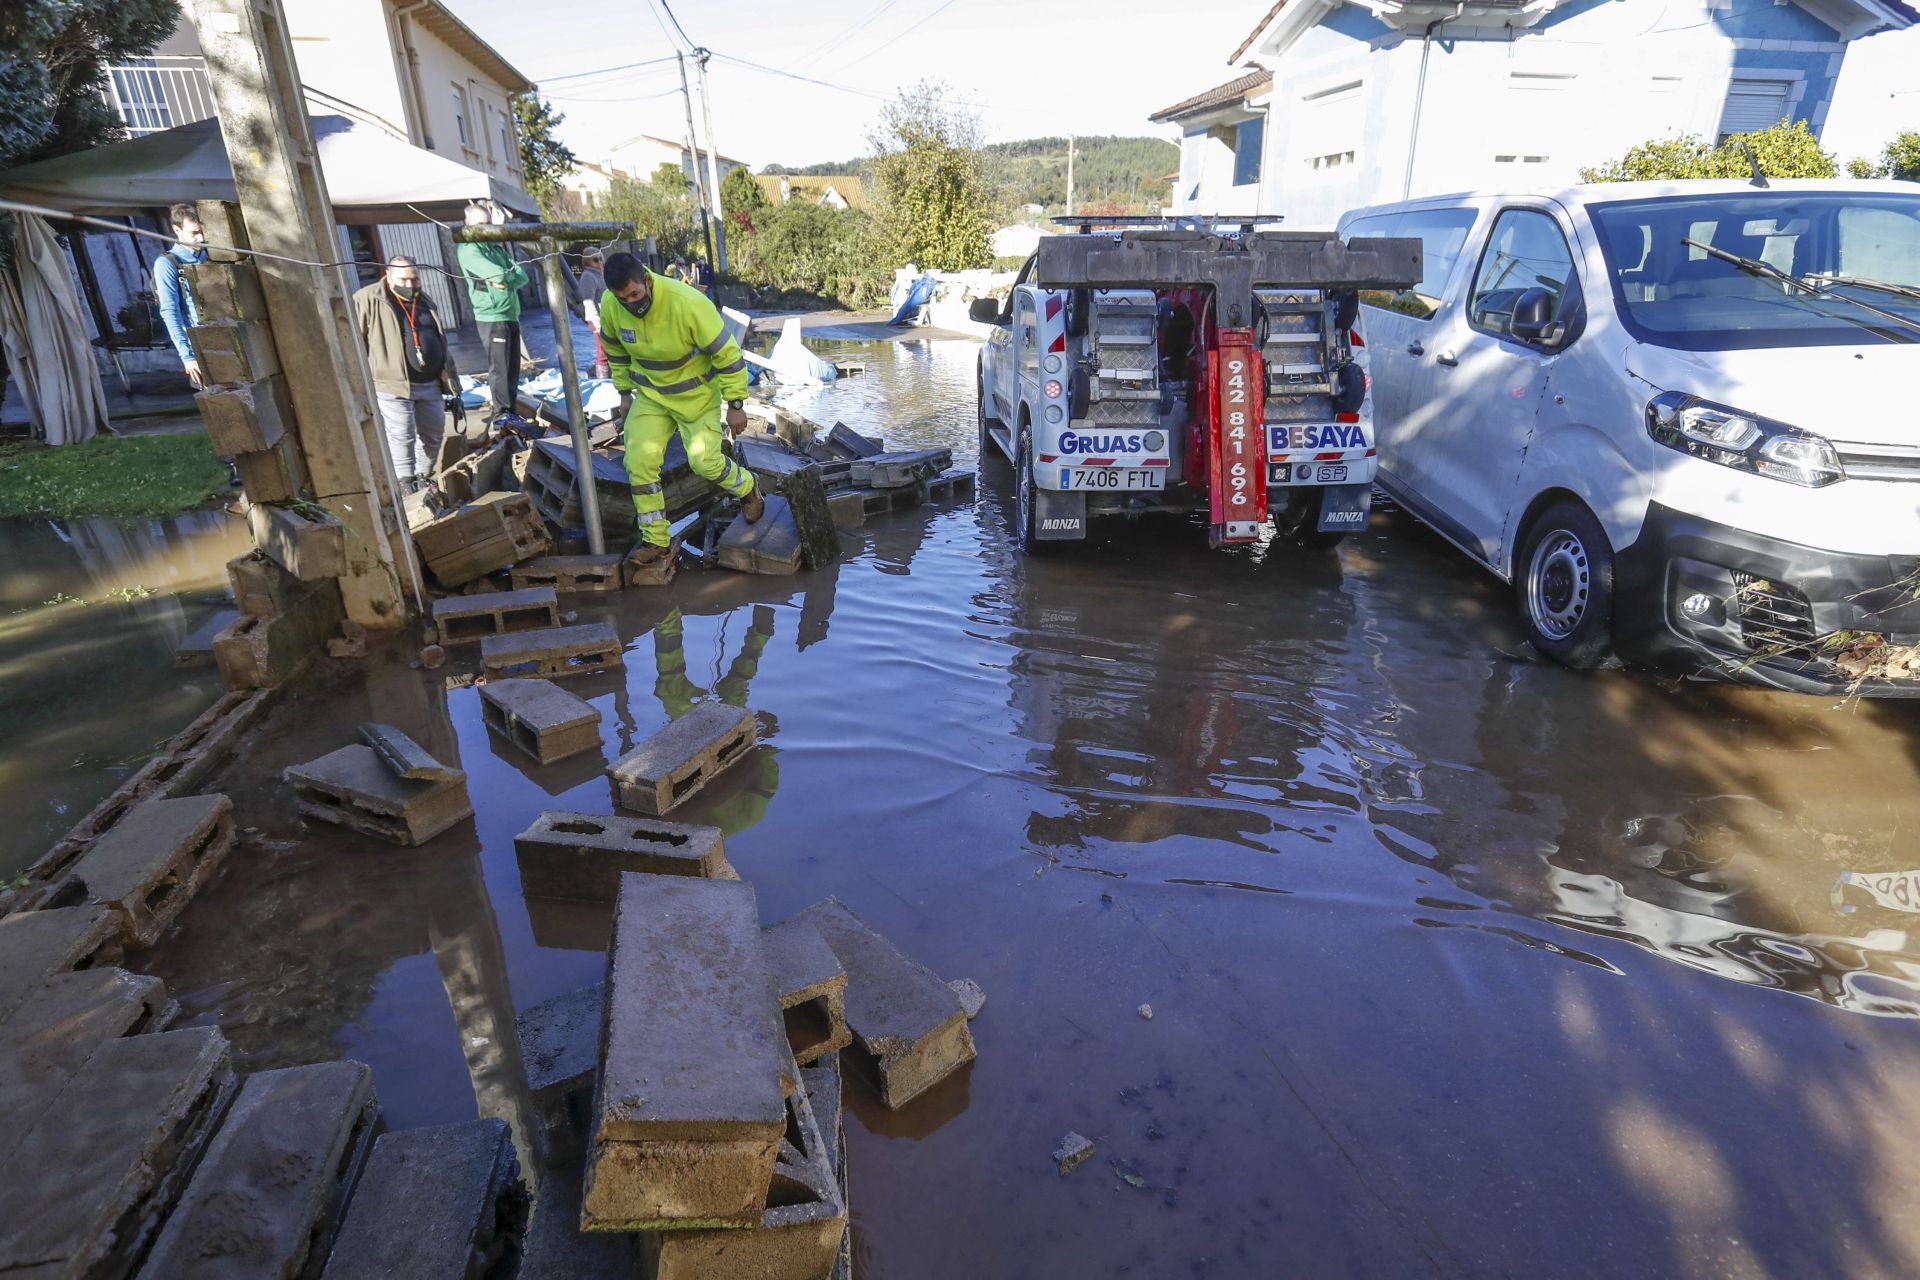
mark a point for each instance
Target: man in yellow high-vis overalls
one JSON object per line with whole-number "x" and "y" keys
{"x": 674, "y": 364}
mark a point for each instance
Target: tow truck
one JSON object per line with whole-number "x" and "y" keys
{"x": 1178, "y": 365}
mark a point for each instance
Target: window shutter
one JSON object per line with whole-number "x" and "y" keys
{"x": 1753, "y": 105}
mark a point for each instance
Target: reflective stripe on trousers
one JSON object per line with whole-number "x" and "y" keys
{"x": 648, "y": 428}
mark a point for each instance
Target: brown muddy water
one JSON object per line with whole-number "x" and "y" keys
{"x": 1459, "y": 964}
{"x": 90, "y": 614}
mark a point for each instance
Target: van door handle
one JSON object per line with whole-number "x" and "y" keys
{"x": 1415, "y": 349}
{"x": 1447, "y": 358}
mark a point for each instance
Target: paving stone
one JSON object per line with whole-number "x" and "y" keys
{"x": 307, "y": 543}
{"x": 560, "y": 1045}
{"x": 675, "y": 764}
{"x": 811, "y": 985}
{"x": 267, "y": 1196}
{"x": 277, "y": 474}
{"x": 34, "y": 944}
{"x": 246, "y": 419}
{"x": 571, "y": 573}
{"x": 197, "y": 648}
{"x": 540, "y": 718}
{"x": 435, "y": 1204}
{"x": 235, "y": 353}
{"x": 557, "y": 1249}
{"x": 407, "y": 758}
{"x": 149, "y": 866}
{"x": 353, "y": 788}
{"x": 259, "y": 653}
{"x": 769, "y": 545}
{"x": 227, "y": 291}
{"x": 690, "y": 1110}
{"x": 581, "y": 856}
{"x": 553, "y": 651}
{"x": 902, "y": 1015}
{"x": 89, "y": 1184}
{"x": 463, "y": 619}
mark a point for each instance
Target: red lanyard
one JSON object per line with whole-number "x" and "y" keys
{"x": 408, "y": 311}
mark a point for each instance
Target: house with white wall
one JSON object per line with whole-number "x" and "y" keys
{"x": 1343, "y": 103}
{"x": 644, "y": 154}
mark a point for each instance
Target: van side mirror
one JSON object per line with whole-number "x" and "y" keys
{"x": 1533, "y": 318}
{"x": 984, "y": 311}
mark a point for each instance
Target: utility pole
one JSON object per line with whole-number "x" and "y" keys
{"x": 713, "y": 162}
{"x": 1070, "y": 175}
{"x": 693, "y": 157}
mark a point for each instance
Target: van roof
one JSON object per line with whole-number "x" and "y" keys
{"x": 1607, "y": 192}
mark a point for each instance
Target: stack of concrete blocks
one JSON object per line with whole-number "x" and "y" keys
{"x": 356, "y": 788}
{"x": 679, "y": 761}
{"x": 288, "y": 595}
{"x": 582, "y": 649}
{"x": 491, "y": 532}
{"x": 245, "y": 404}
{"x": 540, "y": 718}
{"x": 471, "y": 619}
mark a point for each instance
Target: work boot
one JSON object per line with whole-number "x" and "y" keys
{"x": 648, "y": 554}
{"x": 753, "y": 506}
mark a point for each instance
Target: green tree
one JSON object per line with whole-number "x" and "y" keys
{"x": 1858, "y": 168}
{"x": 742, "y": 198}
{"x": 544, "y": 159}
{"x": 1784, "y": 150}
{"x": 935, "y": 204}
{"x": 661, "y": 207}
{"x": 1898, "y": 159}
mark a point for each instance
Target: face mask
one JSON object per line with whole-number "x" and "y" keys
{"x": 641, "y": 307}
{"x": 404, "y": 293}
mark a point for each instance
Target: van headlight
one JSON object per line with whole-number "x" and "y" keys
{"x": 1743, "y": 441}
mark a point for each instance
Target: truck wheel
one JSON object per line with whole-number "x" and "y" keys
{"x": 1025, "y": 516}
{"x": 1563, "y": 585}
{"x": 1299, "y": 521}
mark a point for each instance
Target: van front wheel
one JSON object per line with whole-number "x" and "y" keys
{"x": 1564, "y": 586}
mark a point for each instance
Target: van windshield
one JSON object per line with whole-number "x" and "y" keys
{"x": 1853, "y": 247}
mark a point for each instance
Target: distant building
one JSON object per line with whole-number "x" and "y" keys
{"x": 1345, "y": 104}
{"x": 644, "y": 154}
{"x": 588, "y": 185}
{"x": 834, "y": 190}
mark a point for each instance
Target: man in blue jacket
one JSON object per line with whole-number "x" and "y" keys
{"x": 177, "y": 308}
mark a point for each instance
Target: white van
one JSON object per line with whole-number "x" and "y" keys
{"x": 1680, "y": 418}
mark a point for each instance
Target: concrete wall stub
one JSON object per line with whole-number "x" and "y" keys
{"x": 675, "y": 764}
{"x": 446, "y": 1201}
{"x": 581, "y": 856}
{"x": 691, "y": 1105}
{"x": 247, "y": 418}
{"x": 262, "y": 652}
{"x": 260, "y": 586}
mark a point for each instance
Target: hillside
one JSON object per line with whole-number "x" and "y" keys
{"x": 1110, "y": 174}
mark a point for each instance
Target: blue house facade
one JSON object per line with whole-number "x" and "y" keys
{"x": 1342, "y": 104}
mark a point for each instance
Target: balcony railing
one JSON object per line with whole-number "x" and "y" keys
{"x": 161, "y": 92}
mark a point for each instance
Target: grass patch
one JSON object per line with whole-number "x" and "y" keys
{"x": 157, "y": 475}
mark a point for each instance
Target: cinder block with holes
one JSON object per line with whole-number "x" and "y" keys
{"x": 676, "y": 763}
{"x": 581, "y": 856}
{"x": 354, "y": 788}
{"x": 471, "y": 619}
{"x": 261, "y": 652}
{"x": 260, "y": 586}
{"x": 552, "y": 651}
{"x": 267, "y": 1197}
{"x": 57, "y": 938}
{"x": 154, "y": 860}
{"x": 88, "y": 1185}
{"x": 446, "y": 1201}
{"x": 811, "y": 985}
{"x": 540, "y": 718}
{"x": 574, "y": 574}
{"x": 691, "y": 1106}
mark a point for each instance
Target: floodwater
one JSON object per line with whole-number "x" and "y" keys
{"x": 1458, "y": 963}
{"x": 90, "y": 614}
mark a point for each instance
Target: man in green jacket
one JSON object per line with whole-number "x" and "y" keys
{"x": 494, "y": 281}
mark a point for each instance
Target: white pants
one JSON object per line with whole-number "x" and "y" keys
{"x": 415, "y": 423}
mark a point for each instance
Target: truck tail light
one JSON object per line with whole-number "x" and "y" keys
{"x": 1052, "y": 389}
{"x": 1346, "y": 417}
{"x": 1354, "y": 339}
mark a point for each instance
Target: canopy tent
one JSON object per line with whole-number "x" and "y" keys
{"x": 45, "y": 340}
{"x": 372, "y": 176}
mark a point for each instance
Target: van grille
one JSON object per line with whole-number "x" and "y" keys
{"x": 1878, "y": 461}
{"x": 1771, "y": 613}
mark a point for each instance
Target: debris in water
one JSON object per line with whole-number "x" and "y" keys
{"x": 433, "y": 657}
{"x": 570, "y": 616}
{"x": 972, "y": 998}
{"x": 1146, "y": 1011}
{"x": 1073, "y": 1149}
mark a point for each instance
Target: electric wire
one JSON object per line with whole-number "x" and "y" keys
{"x": 677, "y": 27}
{"x": 625, "y": 66}
{"x": 901, "y": 36}
{"x": 844, "y": 34}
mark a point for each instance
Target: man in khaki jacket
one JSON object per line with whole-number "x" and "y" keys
{"x": 412, "y": 367}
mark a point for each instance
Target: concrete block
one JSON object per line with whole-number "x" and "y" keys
{"x": 811, "y": 985}
{"x": 848, "y": 443}
{"x": 560, "y": 1046}
{"x": 902, "y": 1015}
{"x": 900, "y": 470}
{"x": 657, "y": 573}
{"x": 34, "y": 944}
{"x": 249, "y": 418}
{"x": 464, "y": 619}
{"x": 308, "y": 543}
{"x": 197, "y": 648}
{"x": 849, "y": 510}
{"x": 89, "y": 1184}
{"x": 675, "y": 764}
{"x": 407, "y": 758}
{"x": 800, "y": 1232}
{"x": 770, "y": 545}
{"x": 557, "y": 1249}
{"x": 353, "y": 788}
{"x": 540, "y": 718}
{"x": 226, "y": 230}
{"x": 267, "y": 1196}
{"x": 691, "y": 1106}
{"x": 151, "y": 864}
{"x": 435, "y": 1204}
{"x": 580, "y": 574}
{"x": 227, "y": 291}
{"x": 552, "y": 651}
{"x": 489, "y": 533}
{"x": 260, "y": 586}
{"x": 278, "y": 474}
{"x": 581, "y": 856}
{"x": 806, "y": 495}
{"x": 261, "y": 652}
{"x": 235, "y": 354}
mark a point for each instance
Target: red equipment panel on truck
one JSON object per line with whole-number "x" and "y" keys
{"x": 1238, "y": 471}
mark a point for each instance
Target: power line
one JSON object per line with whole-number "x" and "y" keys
{"x": 625, "y": 66}
{"x": 846, "y": 33}
{"x": 676, "y": 25}
{"x": 791, "y": 75}
{"x": 654, "y": 9}
{"x": 896, "y": 39}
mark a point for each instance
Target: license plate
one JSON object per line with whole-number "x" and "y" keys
{"x": 1112, "y": 478}
{"x": 1330, "y": 475}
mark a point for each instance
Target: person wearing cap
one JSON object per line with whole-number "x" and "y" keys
{"x": 592, "y": 283}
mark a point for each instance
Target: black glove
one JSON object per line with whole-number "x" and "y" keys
{"x": 626, "y": 406}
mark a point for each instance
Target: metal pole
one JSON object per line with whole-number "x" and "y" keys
{"x": 570, "y": 379}
{"x": 693, "y": 158}
{"x": 1420, "y": 98}
{"x": 713, "y": 165}
{"x": 1069, "y": 175}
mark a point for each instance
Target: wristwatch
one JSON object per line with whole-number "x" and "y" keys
{"x": 736, "y": 404}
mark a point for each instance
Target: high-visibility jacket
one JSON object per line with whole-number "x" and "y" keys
{"x": 678, "y": 355}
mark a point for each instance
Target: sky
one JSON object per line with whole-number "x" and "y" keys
{"x": 1029, "y": 68}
